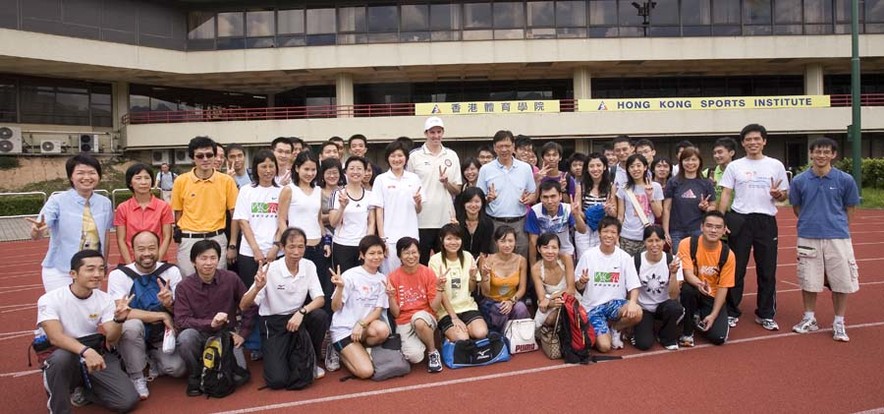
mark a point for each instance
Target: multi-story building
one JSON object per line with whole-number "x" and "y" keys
{"x": 146, "y": 76}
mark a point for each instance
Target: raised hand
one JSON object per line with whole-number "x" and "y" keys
{"x": 492, "y": 193}
{"x": 343, "y": 198}
{"x": 674, "y": 265}
{"x": 525, "y": 198}
{"x": 649, "y": 188}
{"x": 486, "y": 266}
{"x": 443, "y": 177}
{"x": 164, "y": 295}
{"x": 229, "y": 168}
{"x": 542, "y": 172}
{"x": 775, "y": 191}
{"x": 261, "y": 276}
{"x": 391, "y": 290}
{"x": 704, "y": 203}
{"x": 336, "y": 278}
{"x": 584, "y": 277}
{"x": 417, "y": 197}
{"x": 37, "y": 227}
{"x": 286, "y": 178}
{"x": 474, "y": 270}
{"x": 442, "y": 280}
{"x": 121, "y": 310}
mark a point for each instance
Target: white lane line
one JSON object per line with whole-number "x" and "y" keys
{"x": 506, "y": 374}
{"x": 878, "y": 410}
{"x": 21, "y": 290}
{"x": 852, "y": 233}
{"x": 793, "y": 264}
{"x": 16, "y": 336}
{"x": 799, "y": 290}
{"x": 18, "y": 276}
{"x": 20, "y": 373}
{"x": 16, "y": 305}
{"x": 855, "y": 244}
{"x": 21, "y": 286}
{"x": 20, "y": 309}
{"x": 14, "y": 333}
{"x": 790, "y": 283}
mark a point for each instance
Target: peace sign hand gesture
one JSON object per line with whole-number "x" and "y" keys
{"x": 492, "y": 193}
{"x": 391, "y": 290}
{"x": 775, "y": 191}
{"x": 121, "y": 310}
{"x": 649, "y": 187}
{"x": 542, "y": 172}
{"x": 336, "y": 278}
{"x": 343, "y": 198}
{"x": 704, "y": 203}
{"x": 261, "y": 276}
{"x": 229, "y": 168}
{"x": 443, "y": 177}
{"x": 164, "y": 295}
{"x": 37, "y": 227}
{"x": 442, "y": 280}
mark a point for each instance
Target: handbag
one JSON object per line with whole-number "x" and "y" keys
{"x": 520, "y": 335}
{"x": 549, "y": 339}
{"x": 388, "y": 360}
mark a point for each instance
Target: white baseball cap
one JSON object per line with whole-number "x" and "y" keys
{"x": 433, "y": 121}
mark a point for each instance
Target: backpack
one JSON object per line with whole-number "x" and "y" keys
{"x": 577, "y": 336}
{"x": 222, "y": 373}
{"x": 722, "y": 258}
{"x": 145, "y": 289}
{"x": 638, "y": 260}
{"x": 289, "y": 358}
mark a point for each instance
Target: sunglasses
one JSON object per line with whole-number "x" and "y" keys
{"x": 203, "y": 155}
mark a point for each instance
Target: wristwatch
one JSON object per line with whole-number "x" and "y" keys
{"x": 303, "y": 311}
{"x": 231, "y": 246}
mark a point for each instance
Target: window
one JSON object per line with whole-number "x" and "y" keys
{"x": 8, "y": 102}
{"x": 541, "y": 14}
{"x": 629, "y": 13}
{"x": 696, "y": 12}
{"x": 477, "y": 16}
{"x": 445, "y": 22}
{"x": 351, "y": 19}
{"x": 415, "y": 17}
{"x": 100, "y": 105}
{"x": 603, "y": 13}
{"x": 49, "y": 101}
{"x": 570, "y": 14}
{"x": 230, "y": 24}
{"x": 290, "y": 22}
{"x": 259, "y": 23}
{"x": 321, "y": 27}
{"x": 756, "y": 12}
{"x": 200, "y": 25}
{"x": 509, "y": 16}
{"x": 665, "y": 13}
{"x": 383, "y": 19}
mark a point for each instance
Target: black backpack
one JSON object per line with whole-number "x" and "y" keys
{"x": 722, "y": 259}
{"x": 638, "y": 260}
{"x": 221, "y": 372}
{"x": 289, "y": 357}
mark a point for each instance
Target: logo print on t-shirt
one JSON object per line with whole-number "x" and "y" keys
{"x": 655, "y": 284}
{"x": 688, "y": 194}
{"x": 606, "y": 278}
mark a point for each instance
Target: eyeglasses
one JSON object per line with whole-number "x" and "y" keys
{"x": 203, "y": 155}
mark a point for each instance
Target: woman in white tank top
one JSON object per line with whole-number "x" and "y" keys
{"x": 552, "y": 277}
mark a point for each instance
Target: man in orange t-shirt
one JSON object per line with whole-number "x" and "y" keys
{"x": 704, "y": 291}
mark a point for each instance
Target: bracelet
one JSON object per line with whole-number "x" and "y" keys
{"x": 231, "y": 246}
{"x": 440, "y": 290}
{"x": 362, "y": 324}
{"x": 83, "y": 352}
{"x": 120, "y": 321}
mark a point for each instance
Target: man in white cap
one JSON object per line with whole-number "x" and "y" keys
{"x": 439, "y": 171}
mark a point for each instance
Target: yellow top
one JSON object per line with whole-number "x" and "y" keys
{"x": 203, "y": 203}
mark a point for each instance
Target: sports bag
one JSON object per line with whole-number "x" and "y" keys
{"x": 473, "y": 353}
{"x": 577, "y": 336}
{"x": 388, "y": 360}
{"x": 222, "y": 372}
{"x": 289, "y": 357}
{"x": 519, "y": 334}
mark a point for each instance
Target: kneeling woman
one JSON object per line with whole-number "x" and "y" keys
{"x": 658, "y": 294}
{"x": 358, "y": 301}
{"x": 552, "y": 277}
{"x": 459, "y": 316}
{"x": 283, "y": 308}
{"x": 504, "y": 281}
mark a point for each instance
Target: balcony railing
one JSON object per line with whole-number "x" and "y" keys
{"x": 358, "y": 111}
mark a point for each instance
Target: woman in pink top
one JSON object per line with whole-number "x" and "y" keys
{"x": 142, "y": 212}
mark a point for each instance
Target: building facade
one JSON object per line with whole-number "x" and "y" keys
{"x": 146, "y": 76}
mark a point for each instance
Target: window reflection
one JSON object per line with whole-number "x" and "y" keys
{"x": 787, "y": 11}
{"x": 541, "y": 14}
{"x": 290, "y": 21}
{"x": 444, "y": 17}
{"x": 351, "y": 19}
{"x": 415, "y": 17}
{"x": 201, "y": 25}
{"x": 477, "y": 15}
{"x": 383, "y": 19}
{"x": 230, "y": 24}
{"x": 320, "y": 21}
{"x": 756, "y": 12}
{"x": 509, "y": 15}
{"x": 571, "y": 14}
{"x": 603, "y": 13}
{"x": 259, "y": 23}
{"x": 726, "y": 12}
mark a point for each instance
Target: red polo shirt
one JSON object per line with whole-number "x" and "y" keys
{"x": 136, "y": 219}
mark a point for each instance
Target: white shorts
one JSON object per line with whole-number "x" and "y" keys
{"x": 832, "y": 260}
{"x": 412, "y": 346}
{"x": 54, "y": 279}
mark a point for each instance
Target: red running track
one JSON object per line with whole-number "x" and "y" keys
{"x": 756, "y": 371}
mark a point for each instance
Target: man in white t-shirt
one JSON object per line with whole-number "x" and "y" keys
{"x": 150, "y": 316}
{"x": 609, "y": 284}
{"x": 281, "y": 290}
{"x": 70, "y": 314}
{"x": 756, "y": 183}
{"x": 438, "y": 168}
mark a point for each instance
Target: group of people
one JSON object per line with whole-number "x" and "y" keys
{"x": 434, "y": 244}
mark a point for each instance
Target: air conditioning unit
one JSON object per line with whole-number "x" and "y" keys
{"x": 50, "y": 146}
{"x": 181, "y": 157}
{"x": 88, "y": 143}
{"x": 159, "y": 157}
{"x": 10, "y": 140}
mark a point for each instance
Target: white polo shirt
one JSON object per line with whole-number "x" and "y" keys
{"x": 396, "y": 197}
{"x": 78, "y": 317}
{"x": 438, "y": 206}
{"x": 285, "y": 293}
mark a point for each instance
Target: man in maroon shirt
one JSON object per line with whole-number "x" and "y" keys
{"x": 205, "y": 305}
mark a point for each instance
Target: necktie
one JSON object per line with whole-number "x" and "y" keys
{"x": 89, "y": 239}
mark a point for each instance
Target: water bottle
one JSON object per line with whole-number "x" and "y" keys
{"x": 41, "y": 342}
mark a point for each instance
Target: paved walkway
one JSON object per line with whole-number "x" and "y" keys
{"x": 14, "y": 228}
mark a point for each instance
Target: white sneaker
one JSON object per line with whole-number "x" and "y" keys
{"x": 141, "y": 386}
{"x": 732, "y": 321}
{"x": 673, "y": 347}
{"x": 78, "y": 397}
{"x": 152, "y": 372}
{"x": 806, "y": 325}
{"x": 839, "y": 332}
{"x": 767, "y": 323}
{"x": 332, "y": 359}
{"x": 318, "y": 372}
{"x": 616, "y": 339}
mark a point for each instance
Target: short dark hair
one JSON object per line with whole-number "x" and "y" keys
{"x": 297, "y": 141}
{"x": 824, "y": 142}
{"x": 551, "y": 146}
{"x": 654, "y": 229}
{"x": 289, "y": 234}
{"x": 689, "y": 152}
{"x": 203, "y": 246}
{"x": 545, "y": 239}
{"x": 232, "y": 147}
{"x": 684, "y": 144}
{"x": 79, "y": 258}
{"x": 81, "y": 159}
{"x": 575, "y": 157}
{"x": 727, "y": 142}
{"x": 356, "y": 158}
{"x": 610, "y": 221}
{"x": 201, "y": 142}
{"x": 406, "y": 142}
{"x": 336, "y": 139}
{"x": 259, "y": 157}
{"x": 753, "y": 128}
{"x": 357, "y": 137}
{"x": 370, "y": 241}
{"x": 451, "y": 229}
{"x": 485, "y": 148}
{"x": 132, "y": 240}
{"x": 644, "y": 142}
{"x": 608, "y": 147}
{"x": 282, "y": 140}
{"x": 547, "y": 185}
{"x": 630, "y": 182}
{"x": 134, "y": 170}
{"x": 404, "y": 243}
{"x": 714, "y": 213}
{"x": 325, "y": 165}
{"x": 396, "y": 146}
{"x": 657, "y": 160}
{"x": 523, "y": 141}
{"x": 502, "y": 231}
{"x": 327, "y": 143}
{"x": 621, "y": 138}
{"x": 502, "y": 135}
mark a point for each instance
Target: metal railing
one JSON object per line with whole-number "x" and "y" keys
{"x": 349, "y": 111}
{"x": 26, "y": 194}
{"x": 99, "y": 191}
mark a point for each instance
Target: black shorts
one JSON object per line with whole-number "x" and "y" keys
{"x": 340, "y": 345}
{"x": 467, "y": 317}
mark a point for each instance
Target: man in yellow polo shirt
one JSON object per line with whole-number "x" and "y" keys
{"x": 200, "y": 200}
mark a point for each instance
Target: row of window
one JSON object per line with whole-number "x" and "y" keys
{"x": 523, "y": 20}
{"x": 55, "y": 102}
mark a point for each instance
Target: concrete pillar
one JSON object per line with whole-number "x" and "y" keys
{"x": 813, "y": 79}
{"x": 120, "y": 108}
{"x": 344, "y": 94}
{"x": 582, "y": 83}
{"x": 271, "y": 100}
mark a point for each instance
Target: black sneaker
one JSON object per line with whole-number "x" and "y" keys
{"x": 193, "y": 387}
{"x": 434, "y": 362}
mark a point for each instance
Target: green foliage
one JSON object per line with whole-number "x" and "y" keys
{"x": 8, "y": 163}
{"x": 20, "y": 205}
{"x": 872, "y": 198}
{"x": 872, "y": 171}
